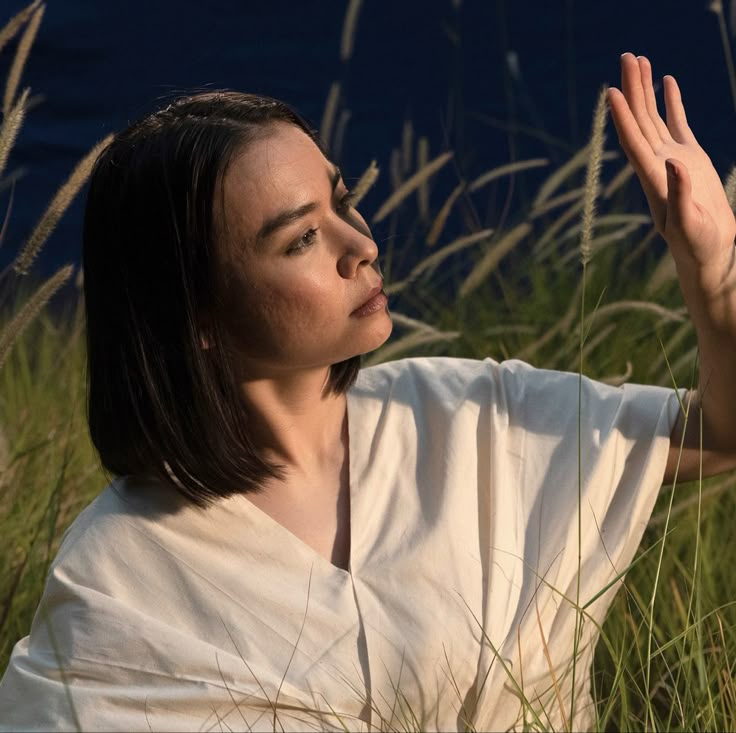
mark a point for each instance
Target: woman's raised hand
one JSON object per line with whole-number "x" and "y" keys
{"x": 685, "y": 194}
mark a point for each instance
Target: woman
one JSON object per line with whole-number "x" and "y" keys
{"x": 293, "y": 543}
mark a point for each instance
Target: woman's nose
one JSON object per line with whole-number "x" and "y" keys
{"x": 359, "y": 248}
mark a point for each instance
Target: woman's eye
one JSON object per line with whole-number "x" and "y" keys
{"x": 304, "y": 242}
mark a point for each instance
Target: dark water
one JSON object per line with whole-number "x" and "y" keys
{"x": 99, "y": 65}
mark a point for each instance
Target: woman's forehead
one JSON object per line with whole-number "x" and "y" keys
{"x": 285, "y": 155}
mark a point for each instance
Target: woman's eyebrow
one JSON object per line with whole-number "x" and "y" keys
{"x": 284, "y": 218}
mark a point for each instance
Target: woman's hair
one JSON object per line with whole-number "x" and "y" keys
{"x": 159, "y": 404}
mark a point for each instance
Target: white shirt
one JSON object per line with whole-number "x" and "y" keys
{"x": 464, "y": 497}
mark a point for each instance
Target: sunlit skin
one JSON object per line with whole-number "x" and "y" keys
{"x": 690, "y": 210}
{"x": 288, "y": 310}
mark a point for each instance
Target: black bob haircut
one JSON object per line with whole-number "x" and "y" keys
{"x": 159, "y": 405}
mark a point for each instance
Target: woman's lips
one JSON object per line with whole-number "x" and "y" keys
{"x": 376, "y": 301}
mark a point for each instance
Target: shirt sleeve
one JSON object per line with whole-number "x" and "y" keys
{"x": 576, "y": 467}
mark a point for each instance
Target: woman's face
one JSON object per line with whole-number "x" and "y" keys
{"x": 292, "y": 285}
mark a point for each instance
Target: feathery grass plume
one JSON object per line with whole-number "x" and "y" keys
{"x": 8, "y": 31}
{"x": 407, "y": 144}
{"x": 25, "y": 316}
{"x": 730, "y": 187}
{"x": 423, "y": 191}
{"x": 494, "y": 255}
{"x": 365, "y": 182}
{"x": 11, "y": 126}
{"x": 428, "y": 263}
{"x": 410, "y": 186}
{"x": 348, "y": 29}
{"x": 21, "y": 56}
{"x": 328, "y": 115}
{"x": 441, "y": 219}
{"x": 57, "y": 207}
{"x": 505, "y": 170}
{"x": 593, "y": 175}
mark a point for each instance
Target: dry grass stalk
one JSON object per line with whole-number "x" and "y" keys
{"x": 30, "y": 310}
{"x": 410, "y": 341}
{"x": 21, "y": 56}
{"x": 505, "y": 170}
{"x": 593, "y": 176}
{"x": 441, "y": 219}
{"x": 601, "y": 241}
{"x": 400, "y": 319}
{"x": 591, "y": 344}
{"x": 642, "y": 306}
{"x": 423, "y": 191}
{"x": 365, "y": 182}
{"x": 730, "y": 186}
{"x": 559, "y": 175}
{"x": 564, "y": 172}
{"x": 684, "y": 362}
{"x": 618, "y": 180}
{"x": 407, "y": 144}
{"x": 328, "y": 115}
{"x": 491, "y": 259}
{"x": 548, "y": 239}
{"x": 616, "y": 380}
{"x": 348, "y": 29}
{"x": 342, "y": 123}
{"x": 607, "y": 220}
{"x": 410, "y": 186}
{"x": 395, "y": 169}
{"x": 553, "y": 203}
{"x": 12, "y": 123}
{"x": 664, "y": 272}
{"x": 56, "y": 208}
{"x": 439, "y": 256}
{"x": 658, "y": 365}
{"x": 8, "y": 31}
{"x": 563, "y": 325}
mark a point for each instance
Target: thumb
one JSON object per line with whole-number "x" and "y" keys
{"x": 682, "y": 214}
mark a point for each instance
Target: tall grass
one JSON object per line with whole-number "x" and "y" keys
{"x": 544, "y": 285}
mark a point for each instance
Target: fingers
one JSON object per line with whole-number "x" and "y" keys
{"x": 639, "y": 152}
{"x": 645, "y": 68}
{"x": 676, "y": 120}
{"x": 636, "y": 84}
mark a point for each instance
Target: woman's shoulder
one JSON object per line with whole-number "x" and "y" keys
{"x": 114, "y": 524}
{"x": 450, "y": 377}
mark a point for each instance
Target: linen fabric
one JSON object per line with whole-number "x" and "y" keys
{"x": 468, "y": 479}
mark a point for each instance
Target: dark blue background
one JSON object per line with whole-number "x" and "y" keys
{"x": 100, "y": 65}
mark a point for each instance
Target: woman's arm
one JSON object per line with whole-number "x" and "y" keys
{"x": 690, "y": 210}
